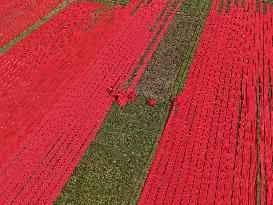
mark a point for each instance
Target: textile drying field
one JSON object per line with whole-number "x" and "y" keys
{"x": 140, "y": 102}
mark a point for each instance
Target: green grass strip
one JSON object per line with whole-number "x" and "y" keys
{"x": 140, "y": 183}
{"x": 115, "y": 166}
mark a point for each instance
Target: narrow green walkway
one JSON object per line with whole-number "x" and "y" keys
{"x": 112, "y": 167}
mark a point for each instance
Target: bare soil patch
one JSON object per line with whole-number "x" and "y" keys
{"x": 159, "y": 78}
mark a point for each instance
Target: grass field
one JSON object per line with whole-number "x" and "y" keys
{"x": 112, "y": 169}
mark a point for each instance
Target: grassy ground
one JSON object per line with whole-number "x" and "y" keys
{"x": 111, "y": 171}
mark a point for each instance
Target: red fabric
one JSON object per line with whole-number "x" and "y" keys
{"x": 122, "y": 98}
{"x": 132, "y": 96}
{"x": 151, "y": 103}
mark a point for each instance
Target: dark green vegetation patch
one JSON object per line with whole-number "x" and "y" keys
{"x": 114, "y": 167}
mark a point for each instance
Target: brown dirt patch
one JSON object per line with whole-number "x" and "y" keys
{"x": 160, "y": 75}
